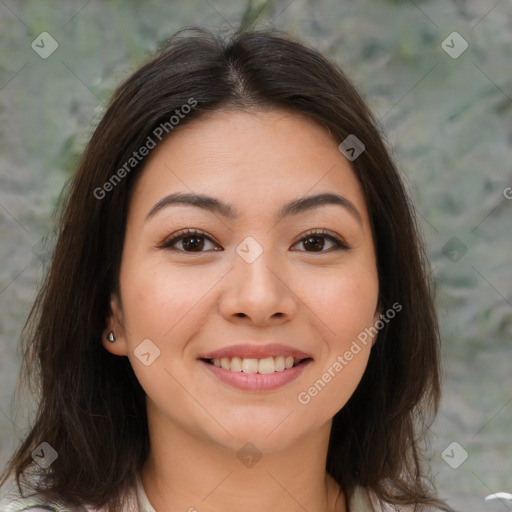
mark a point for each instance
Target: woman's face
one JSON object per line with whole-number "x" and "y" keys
{"x": 275, "y": 274}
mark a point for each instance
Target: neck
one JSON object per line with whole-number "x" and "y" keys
{"x": 185, "y": 473}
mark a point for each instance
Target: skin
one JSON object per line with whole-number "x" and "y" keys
{"x": 189, "y": 303}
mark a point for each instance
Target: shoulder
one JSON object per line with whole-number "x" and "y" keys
{"x": 366, "y": 501}
{"x": 12, "y": 500}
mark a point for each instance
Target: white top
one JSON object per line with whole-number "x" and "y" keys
{"x": 142, "y": 499}
{"x": 11, "y": 501}
{"x": 360, "y": 501}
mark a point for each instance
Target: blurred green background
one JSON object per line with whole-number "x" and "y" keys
{"x": 447, "y": 120}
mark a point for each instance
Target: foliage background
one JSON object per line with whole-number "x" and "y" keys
{"x": 447, "y": 122}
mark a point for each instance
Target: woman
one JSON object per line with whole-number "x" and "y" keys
{"x": 237, "y": 312}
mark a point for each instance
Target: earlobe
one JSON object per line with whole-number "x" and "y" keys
{"x": 113, "y": 337}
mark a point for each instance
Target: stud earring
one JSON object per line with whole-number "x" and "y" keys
{"x": 110, "y": 337}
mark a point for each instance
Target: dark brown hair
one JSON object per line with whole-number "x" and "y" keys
{"x": 92, "y": 408}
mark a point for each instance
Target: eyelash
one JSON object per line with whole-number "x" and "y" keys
{"x": 191, "y": 233}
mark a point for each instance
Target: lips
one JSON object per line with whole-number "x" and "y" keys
{"x": 256, "y": 382}
{"x": 256, "y": 367}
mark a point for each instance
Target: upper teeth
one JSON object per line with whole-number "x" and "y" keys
{"x": 267, "y": 365}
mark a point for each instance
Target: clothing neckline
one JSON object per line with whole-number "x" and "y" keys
{"x": 142, "y": 498}
{"x": 359, "y": 502}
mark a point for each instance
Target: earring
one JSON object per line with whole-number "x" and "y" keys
{"x": 110, "y": 337}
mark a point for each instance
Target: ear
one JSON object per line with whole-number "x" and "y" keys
{"x": 115, "y": 324}
{"x": 376, "y": 318}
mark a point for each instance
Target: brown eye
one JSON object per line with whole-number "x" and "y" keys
{"x": 315, "y": 242}
{"x": 190, "y": 241}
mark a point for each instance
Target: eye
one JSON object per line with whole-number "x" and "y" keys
{"x": 191, "y": 240}
{"x": 315, "y": 240}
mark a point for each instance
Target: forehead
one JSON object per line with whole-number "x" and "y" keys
{"x": 255, "y": 159}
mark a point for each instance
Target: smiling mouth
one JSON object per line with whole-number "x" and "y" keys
{"x": 251, "y": 365}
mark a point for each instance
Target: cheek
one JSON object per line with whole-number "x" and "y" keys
{"x": 333, "y": 386}
{"x": 345, "y": 305}
{"x": 162, "y": 299}
{"x": 163, "y": 304}
{"x": 346, "y": 302}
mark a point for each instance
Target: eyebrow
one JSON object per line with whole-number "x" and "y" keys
{"x": 294, "y": 207}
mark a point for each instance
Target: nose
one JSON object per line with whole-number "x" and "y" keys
{"x": 259, "y": 292}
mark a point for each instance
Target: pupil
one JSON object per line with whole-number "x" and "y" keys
{"x": 193, "y": 245}
{"x": 317, "y": 246}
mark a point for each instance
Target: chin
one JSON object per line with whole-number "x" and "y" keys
{"x": 268, "y": 435}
